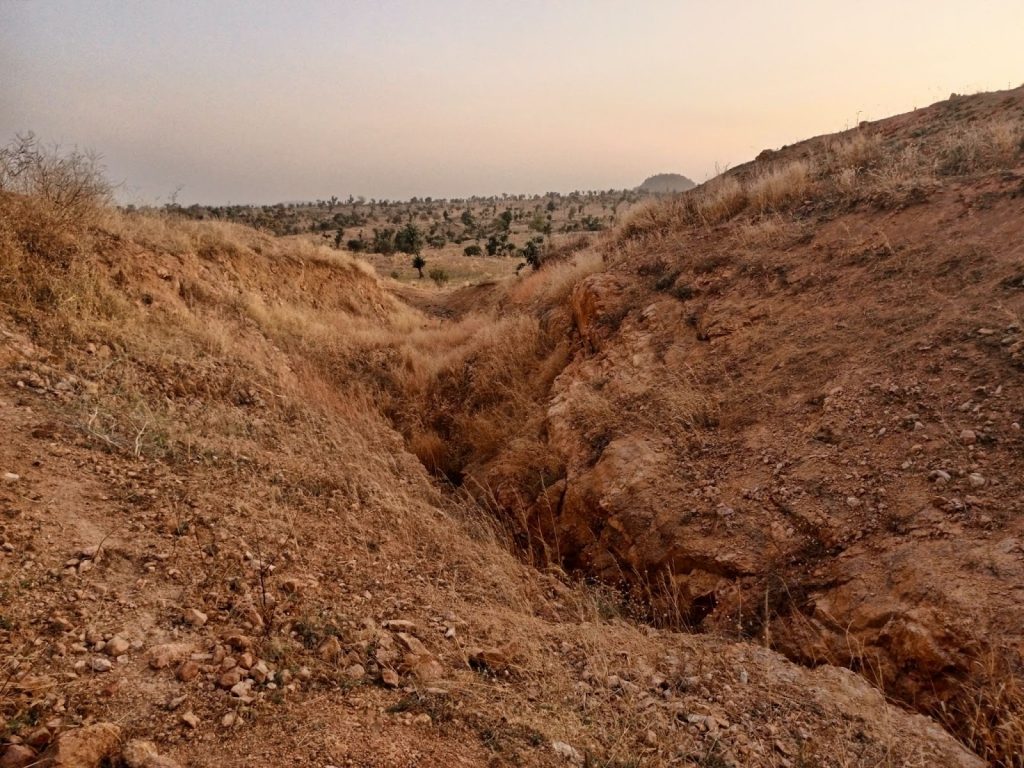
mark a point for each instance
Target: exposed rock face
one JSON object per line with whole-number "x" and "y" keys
{"x": 776, "y": 442}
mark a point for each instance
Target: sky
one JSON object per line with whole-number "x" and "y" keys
{"x": 243, "y": 101}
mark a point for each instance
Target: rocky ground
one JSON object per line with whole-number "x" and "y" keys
{"x": 200, "y": 611}
{"x": 797, "y": 434}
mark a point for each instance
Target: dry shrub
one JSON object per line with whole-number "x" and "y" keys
{"x": 988, "y": 712}
{"x": 858, "y": 152}
{"x": 553, "y": 282}
{"x": 654, "y": 215}
{"x": 70, "y": 184}
{"x": 712, "y": 203}
{"x": 567, "y": 248}
{"x": 981, "y": 146}
{"x": 774, "y": 188}
{"x": 900, "y": 168}
{"x": 41, "y": 269}
{"x": 770, "y": 230}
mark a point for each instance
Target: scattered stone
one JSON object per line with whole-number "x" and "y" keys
{"x": 939, "y": 476}
{"x": 260, "y": 672}
{"x": 187, "y": 672}
{"x": 242, "y": 690}
{"x": 852, "y": 501}
{"x": 568, "y": 752}
{"x": 976, "y": 480}
{"x": 230, "y": 679}
{"x": 390, "y": 678}
{"x": 190, "y": 719}
{"x": 229, "y": 720}
{"x": 412, "y": 644}
{"x": 117, "y": 646}
{"x": 488, "y": 659}
{"x": 330, "y": 649}
{"x": 400, "y": 625}
{"x": 10, "y": 477}
{"x": 163, "y": 656}
{"x": 424, "y": 667}
{"x": 355, "y": 672}
{"x": 17, "y": 756}
{"x": 99, "y": 664}
{"x": 968, "y": 437}
{"x": 85, "y": 747}
{"x": 194, "y": 616}
{"x": 138, "y": 752}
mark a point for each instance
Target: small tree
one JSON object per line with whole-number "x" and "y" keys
{"x": 384, "y": 240}
{"x": 418, "y": 263}
{"x": 532, "y": 252}
{"x": 409, "y": 239}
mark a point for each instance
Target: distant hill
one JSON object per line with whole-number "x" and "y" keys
{"x": 663, "y": 183}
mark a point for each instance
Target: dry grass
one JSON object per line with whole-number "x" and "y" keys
{"x": 981, "y": 146}
{"x": 850, "y": 167}
{"x": 224, "y": 342}
{"x": 988, "y": 712}
{"x": 858, "y": 151}
{"x": 555, "y": 280}
{"x": 777, "y": 187}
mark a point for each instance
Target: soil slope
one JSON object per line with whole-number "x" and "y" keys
{"x": 792, "y": 412}
{"x": 213, "y": 540}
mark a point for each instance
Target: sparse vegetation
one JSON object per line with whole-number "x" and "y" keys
{"x": 696, "y": 415}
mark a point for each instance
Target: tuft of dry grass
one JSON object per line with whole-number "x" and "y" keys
{"x": 553, "y": 283}
{"x": 981, "y": 146}
{"x": 723, "y": 199}
{"x": 857, "y": 151}
{"x": 988, "y": 712}
{"x": 776, "y": 187}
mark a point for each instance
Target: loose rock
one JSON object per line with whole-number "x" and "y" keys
{"x": 17, "y": 756}
{"x": 84, "y": 747}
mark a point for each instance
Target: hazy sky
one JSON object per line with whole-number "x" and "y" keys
{"x": 247, "y": 101}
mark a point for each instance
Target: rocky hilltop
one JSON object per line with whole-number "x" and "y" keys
{"x": 666, "y": 183}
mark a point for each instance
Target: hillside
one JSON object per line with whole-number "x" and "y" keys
{"x": 666, "y": 183}
{"x": 689, "y": 494}
{"x": 791, "y": 412}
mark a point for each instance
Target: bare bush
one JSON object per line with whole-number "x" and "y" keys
{"x": 71, "y": 182}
